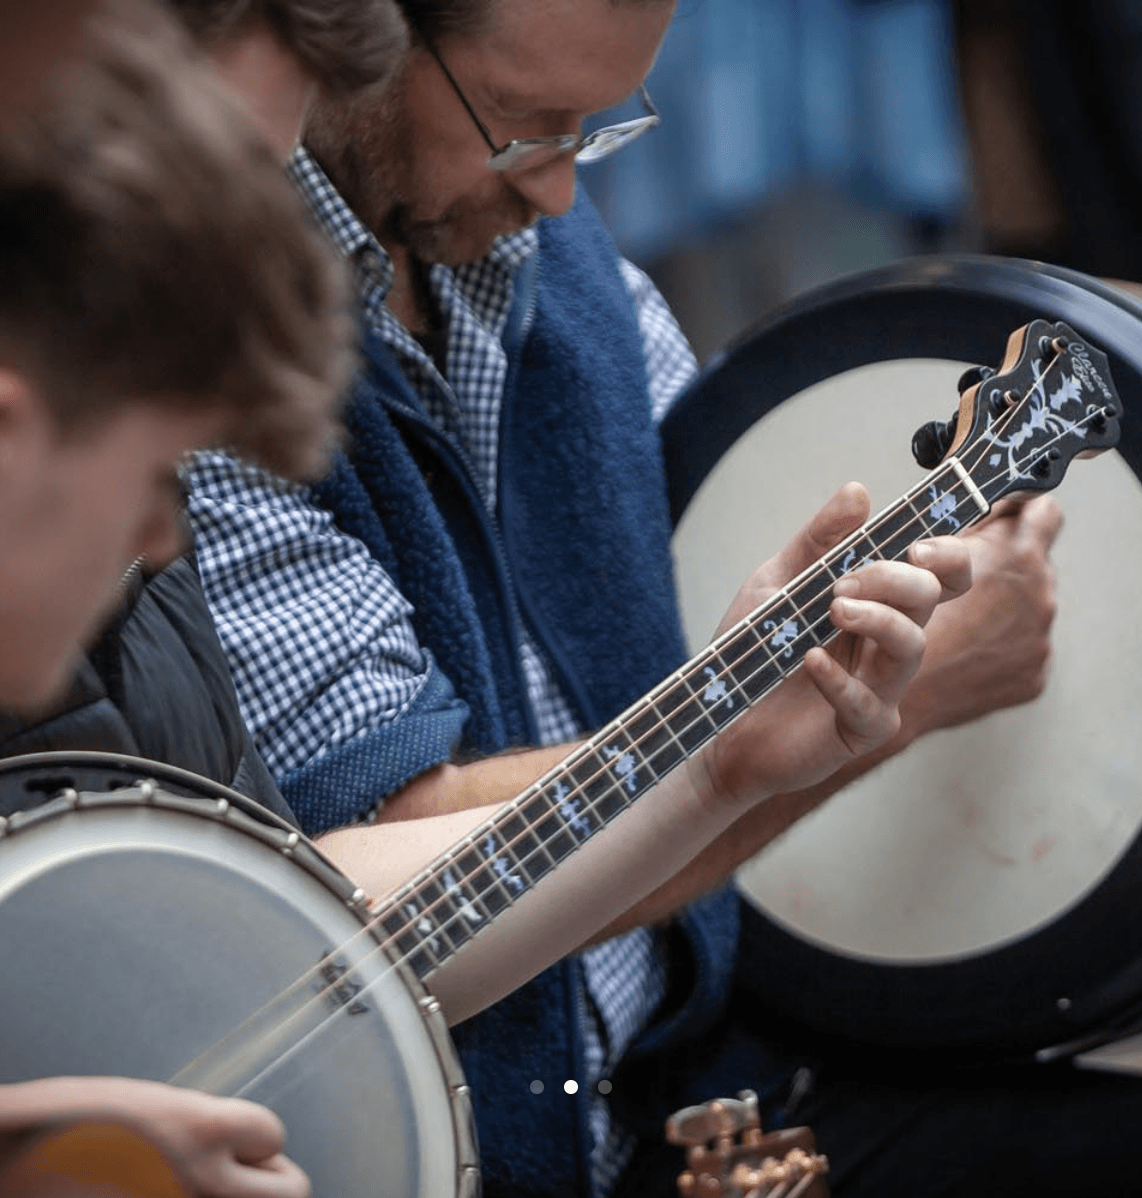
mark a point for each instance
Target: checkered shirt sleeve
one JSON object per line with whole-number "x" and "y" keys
{"x": 670, "y": 362}
{"x": 318, "y": 637}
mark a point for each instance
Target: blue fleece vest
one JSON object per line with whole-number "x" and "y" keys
{"x": 580, "y": 549}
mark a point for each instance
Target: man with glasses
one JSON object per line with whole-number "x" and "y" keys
{"x": 488, "y": 566}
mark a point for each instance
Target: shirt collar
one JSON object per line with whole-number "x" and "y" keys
{"x": 349, "y": 235}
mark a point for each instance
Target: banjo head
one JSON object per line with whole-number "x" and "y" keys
{"x": 147, "y": 914}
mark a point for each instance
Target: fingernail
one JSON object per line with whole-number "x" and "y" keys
{"x": 921, "y": 553}
{"x": 847, "y": 586}
{"x": 844, "y": 608}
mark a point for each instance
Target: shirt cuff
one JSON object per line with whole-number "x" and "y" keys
{"x": 351, "y": 780}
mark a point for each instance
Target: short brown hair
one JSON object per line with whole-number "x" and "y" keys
{"x": 154, "y": 253}
{"x": 344, "y": 44}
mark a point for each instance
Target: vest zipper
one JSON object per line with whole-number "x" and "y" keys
{"x": 129, "y": 575}
{"x": 514, "y": 340}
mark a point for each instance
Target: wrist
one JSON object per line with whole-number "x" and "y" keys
{"x": 722, "y": 782}
{"x": 916, "y": 712}
{"x": 23, "y": 1104}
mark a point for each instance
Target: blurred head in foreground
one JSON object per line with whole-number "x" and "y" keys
{"x": 161, "y": 291}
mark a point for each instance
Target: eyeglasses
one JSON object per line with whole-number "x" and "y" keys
{"x": 526, "y": 153}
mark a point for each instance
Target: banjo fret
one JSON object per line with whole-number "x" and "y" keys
{"x": 786, "y": 632}
{"x": 483, "y": 879}
{"x": 812, "y": 598}
{"x": 531, "y": 859}
{"x": 658, "y": 744}
{"x": 755, "y": 670}
{"x": 614, "y": 773}
{"x": 687, "y": 721}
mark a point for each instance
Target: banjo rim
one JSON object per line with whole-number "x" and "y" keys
{"x": 63, "y": 784}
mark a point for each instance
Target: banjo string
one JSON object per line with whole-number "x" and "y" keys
{"x": 236, "y": 1038}
{"x": 245, "y": 1040}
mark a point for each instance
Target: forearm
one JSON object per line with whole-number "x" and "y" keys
{"x": 452, "y": 788}
{"x": 678, "y": 841}
{"x": 478, "y": 786}
{"x": 644, "y": 847}
{"x": 24, "y": 1104}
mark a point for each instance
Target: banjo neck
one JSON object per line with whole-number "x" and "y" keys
{"x": 1015, "y": 431}
{"x": 439, "y": 911}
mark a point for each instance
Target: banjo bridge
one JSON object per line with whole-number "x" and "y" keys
{"x": 339, "y": 986}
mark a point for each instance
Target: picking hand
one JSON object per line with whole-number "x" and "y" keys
{"x": 224, "y": 1147}
{"x": 845, "y": 701}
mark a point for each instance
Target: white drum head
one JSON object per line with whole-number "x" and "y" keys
{"x": 981, "y": 834}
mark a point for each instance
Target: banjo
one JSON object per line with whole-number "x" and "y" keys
{"x": 161, "y": 926}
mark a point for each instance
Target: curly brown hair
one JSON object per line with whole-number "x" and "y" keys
{"x": 154, "y": 253}
{"x": 344, "y": 44}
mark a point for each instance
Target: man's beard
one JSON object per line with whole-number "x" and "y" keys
{"x": 465, "y": 233}
{"x": 366, "y": 153}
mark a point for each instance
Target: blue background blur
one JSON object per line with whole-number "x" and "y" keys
{"x": 800, "y": 139}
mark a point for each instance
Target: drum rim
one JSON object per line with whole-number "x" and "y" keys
{"x": 1022, "y": 993}
{"x": 958, "y": 307}
{"x": 122, "y": 772}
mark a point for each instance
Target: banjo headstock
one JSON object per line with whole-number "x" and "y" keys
{"x": 1018, "y": 428}
{"x": 729, "y": 1156}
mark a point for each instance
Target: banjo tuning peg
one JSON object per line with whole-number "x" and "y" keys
{"x": 972, "y": 376}
{"x": 932, "y": 441}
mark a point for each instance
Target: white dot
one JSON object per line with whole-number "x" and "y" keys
{"x": 604, "y": 1087}
{"x": 536, "y": 1087}
{"x": 571, "y": 1087}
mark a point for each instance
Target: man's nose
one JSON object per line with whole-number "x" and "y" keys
{"x": 550, "y": 188}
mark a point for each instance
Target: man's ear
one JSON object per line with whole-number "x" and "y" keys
{"x": 25, "y": 422}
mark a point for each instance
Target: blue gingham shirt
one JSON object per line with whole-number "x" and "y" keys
{"x": 319, "y": 638}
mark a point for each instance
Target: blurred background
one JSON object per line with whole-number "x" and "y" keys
{"x": 805, "y": 139}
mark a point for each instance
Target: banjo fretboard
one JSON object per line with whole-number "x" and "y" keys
{"x": 438, "y": 912}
